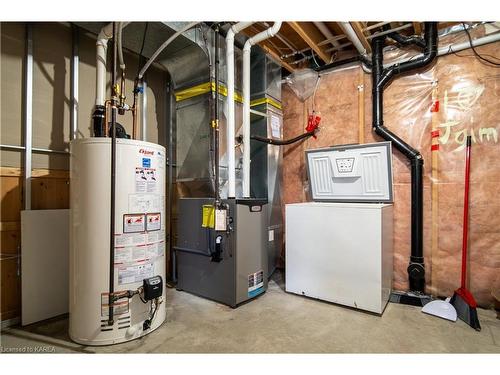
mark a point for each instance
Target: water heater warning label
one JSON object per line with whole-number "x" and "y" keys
{"x": 132, "y": 255}
{"x": 119, "y": 307}
{"x": 133, "y": 239}
{"x": 134, "y": 274}
{"x": 134, "y": 223}
{"x": 255, "y": 283}
{"x": 145, "y": 180}
{"x": 153, "y": 222}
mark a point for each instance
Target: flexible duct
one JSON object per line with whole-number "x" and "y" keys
{"x": 266, "y": 34}
{"x": 121, "y": 61}
{"x": 381, "y": 77}
{"x": 231, "y": 165}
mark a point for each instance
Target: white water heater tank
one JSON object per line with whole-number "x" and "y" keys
{"x": 139, "y": 244}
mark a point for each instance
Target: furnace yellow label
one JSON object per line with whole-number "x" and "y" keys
{"x": 208, "y": 220}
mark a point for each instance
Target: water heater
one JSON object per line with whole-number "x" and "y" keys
{"x": 139, "y": 244}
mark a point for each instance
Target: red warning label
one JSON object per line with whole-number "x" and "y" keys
{"x": 153, "y": 222}
{"x": 134, "y": 223}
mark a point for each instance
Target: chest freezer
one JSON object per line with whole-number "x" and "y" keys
{"x": 340, "y": 253}
{"x": 339, "y": 248}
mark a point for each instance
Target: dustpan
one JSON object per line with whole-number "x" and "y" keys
{"x": 441, "y": 309}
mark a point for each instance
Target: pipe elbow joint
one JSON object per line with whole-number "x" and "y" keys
{"x": 230, "y": 35}
{"x": 247, "y": 46}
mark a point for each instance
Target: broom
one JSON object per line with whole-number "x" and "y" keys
{"x": 462, "y": 299}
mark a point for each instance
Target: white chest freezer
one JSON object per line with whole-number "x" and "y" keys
{"x": 340, "y": 253}
{"x": 339, "y": 248}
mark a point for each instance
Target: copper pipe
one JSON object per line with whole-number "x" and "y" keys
{"x": 122, "y": 96}
{"x": 134, "y": 122}
{"x": 106, "y": 105}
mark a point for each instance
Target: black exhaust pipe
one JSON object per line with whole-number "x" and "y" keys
{"x": 381, "y": 77}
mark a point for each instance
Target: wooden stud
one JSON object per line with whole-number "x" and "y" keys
{"x": 417, "y": 27}
{"x": 46, "y": 173}
{"x": 305, "y": 31}
{"x": 358, "y": 29}
{"x": 9, "y": 226}
{"x": 11, "y": 289}
{"x": 275, "y": 55}
{"x": 361, "y": 107}
{"x": 11, "y": 197}
{"x": 50, "y": 190}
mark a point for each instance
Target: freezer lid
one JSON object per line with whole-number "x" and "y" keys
{"x": 351, "y": 173}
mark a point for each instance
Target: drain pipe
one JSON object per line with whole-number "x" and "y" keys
{"x": 98, "y": 116}
{"x": 442, "y": 51}
{"x": 266, "y": 34}
{"x": 403, "y": 39}
{"x": 353, "y": 37}
{"x": 327, "y": 33}
{"x": 381, "y": 77}
{"x": 230, "y": 129}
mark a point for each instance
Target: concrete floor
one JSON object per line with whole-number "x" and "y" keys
{"x": 277, "y": 322}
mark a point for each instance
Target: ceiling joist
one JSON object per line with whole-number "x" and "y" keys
{"x": 417, "y": 27}
{"x": 297, "y": 42}
{"x": 276, "y": 56}
{"x": 306, "y": 31}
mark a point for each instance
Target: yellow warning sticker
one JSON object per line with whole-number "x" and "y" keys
{"x": 208, "y": 218}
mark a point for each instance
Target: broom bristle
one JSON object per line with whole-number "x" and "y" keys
{"x": 465, "y": 312}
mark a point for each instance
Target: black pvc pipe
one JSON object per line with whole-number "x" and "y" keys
{"x": 403, "y": 39}
{"x": 351, "y": 60}
{"x": 98, "y": 121}
{"x": 279, "y": 142}
{"x": 430, "y": 53}
{"x": 417, "y": 209}
{"x": 380, "y": 79}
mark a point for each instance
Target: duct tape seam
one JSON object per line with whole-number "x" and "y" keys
{"x": 204, "y": 88}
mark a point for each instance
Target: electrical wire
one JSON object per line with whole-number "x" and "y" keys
{"x": 476, "y": 53}
{"x": 157, "y": 304}
{"x": 314, "y": 94}
{"x": 314, "y": 59}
